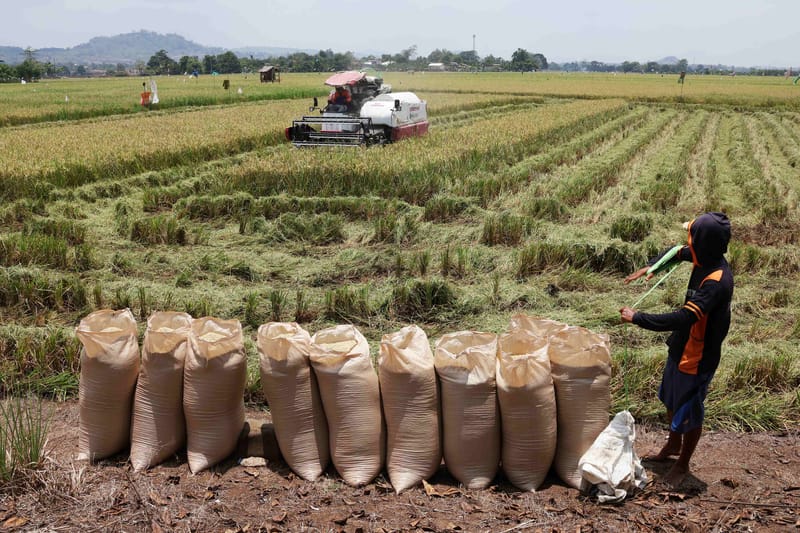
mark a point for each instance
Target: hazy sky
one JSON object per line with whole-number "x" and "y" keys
{"x": 754, "y": 32}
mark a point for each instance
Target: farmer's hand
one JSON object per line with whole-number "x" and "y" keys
{"x": 638, "y": 274}
{"x": 626, "y": 314}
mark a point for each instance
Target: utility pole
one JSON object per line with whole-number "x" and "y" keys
{"x": 474, "y": 54}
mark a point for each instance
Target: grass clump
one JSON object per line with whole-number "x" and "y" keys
{"x": 208, "y": 207}
{"x": 277, "y": 304}
{"x": 422, "y": 299}
{"x": 506, "y": 229}
{"x": 631, "y": 228}
{"x": 35, "y": 292}
{"x": 542, "y": 256}
{"x": 41, "y": 360}
{"x": 23, "y": 434}
{"x": 319, "y": 230}
{"x": 454, "y": 262}
{"x": 160, "y": 229}
{"x": 545, "y": 209}
{"x": 348, "y": 304}
{"x": 69, "y": 230}
{"x": 445, "y": 208}
{"x": 302, "y": 310}
{"x": 199, "y": 308}
{"x": 772, "y": 372}
{"x": 252, "y": 316}
{"x": 243, "y": 271}
{"x": 395, "y": 229}
{"x": 43, "y": 250}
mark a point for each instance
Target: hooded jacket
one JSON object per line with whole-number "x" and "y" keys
{"x": 701, "y": 324}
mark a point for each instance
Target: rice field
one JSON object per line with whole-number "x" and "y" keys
{"x": 534, "y": 193}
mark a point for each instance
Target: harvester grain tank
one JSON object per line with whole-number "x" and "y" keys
{"x": 373, "y": 115}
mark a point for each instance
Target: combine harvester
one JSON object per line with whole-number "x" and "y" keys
{"x": 373, "y": 115}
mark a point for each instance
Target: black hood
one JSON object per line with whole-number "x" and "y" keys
{"x": 709, "y": 235}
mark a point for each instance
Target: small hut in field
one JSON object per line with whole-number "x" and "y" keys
{"x": 269, "y": 74}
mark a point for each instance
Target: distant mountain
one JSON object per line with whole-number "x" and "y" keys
{"x": 126, "y": 48}
{"x": 12, "y": 54}
{"x": 669, "y": 60}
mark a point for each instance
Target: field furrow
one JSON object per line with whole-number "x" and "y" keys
{"x": 600, "y": 172}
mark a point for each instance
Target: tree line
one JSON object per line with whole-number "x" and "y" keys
{"x": 521, "y": 60}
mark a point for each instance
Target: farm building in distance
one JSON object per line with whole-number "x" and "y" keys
{"x": 269, "y": 73}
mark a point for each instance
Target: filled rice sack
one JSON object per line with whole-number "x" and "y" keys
{"x": 350, "y": 393}
{"x": 527, "y": 408}
{"x": 214, "y": 378}
{"x": 580, "y": 361}
{"x": 535, "y": 326}
{"x": 290, "y": 386}
{"x": 158, "y": 429}
{"x": 465, "y": 364}
{"x": 109, "y": 368}
{"x": 410, "y": 399}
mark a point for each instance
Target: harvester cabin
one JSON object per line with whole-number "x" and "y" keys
{"x": 269, "y": 74}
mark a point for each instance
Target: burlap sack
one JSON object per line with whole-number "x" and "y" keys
{"x": 410, "y": 400}
{"x": 535, "y": 326}
{"x": 465, "y": 364}
{"x": 527, "y": 408}
{"x": 350, "y": 395}
{"x": 290, "y": 387}
{"x": 580, "y": 361}
{"x": 158, "y": 429}
{"x": 109, "y": 366}
{"x": 214, "y": 377}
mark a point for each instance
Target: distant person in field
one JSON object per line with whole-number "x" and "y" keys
{"x": 340, "y": 100}
{"x": 698, "y": 329}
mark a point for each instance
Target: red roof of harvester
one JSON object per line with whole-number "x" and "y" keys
{"x": 350, "y": 77}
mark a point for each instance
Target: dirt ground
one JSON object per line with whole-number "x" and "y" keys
{"x": 740, "y": 482}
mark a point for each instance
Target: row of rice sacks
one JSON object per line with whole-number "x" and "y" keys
{"x": 494, "y": 400}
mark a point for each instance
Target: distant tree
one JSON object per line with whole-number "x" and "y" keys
{"x": 631, "y": 66}
{"x": 7, "y": 73}
{"x": 30, "y": 68}
{"x": 228, "y": 63}
{"x": 49, "y": 69}
{"x": 683, "y": 65}
{"x": 522, "y": 60}
{"x": 652, "y": 66}
{"x": 539, "y": 61}
{"x": 491, "y": 62}
{"x": 161, "y": 63}
{"x": 189, "y": 64}
{"x": 440, "y": 56}
{"x": 62, "y": 70}
{"x": 342, "y": 61}
{"x": 208, "y": 64}
{"x": 406, "y": 55}
{"x": 119, "y": 70}
{"x": 469, "y": 57}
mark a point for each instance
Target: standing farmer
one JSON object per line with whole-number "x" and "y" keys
{"x": 698, "y": 329}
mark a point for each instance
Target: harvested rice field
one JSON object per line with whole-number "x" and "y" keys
{"x": 533, "y": 193}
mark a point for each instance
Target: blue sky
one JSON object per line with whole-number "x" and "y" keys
{"x": 761, "y": 32}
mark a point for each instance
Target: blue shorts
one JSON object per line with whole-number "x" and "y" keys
{"x": 684, "y": 394}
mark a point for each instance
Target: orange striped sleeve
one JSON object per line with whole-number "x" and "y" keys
{"x": 691, "y": 306}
